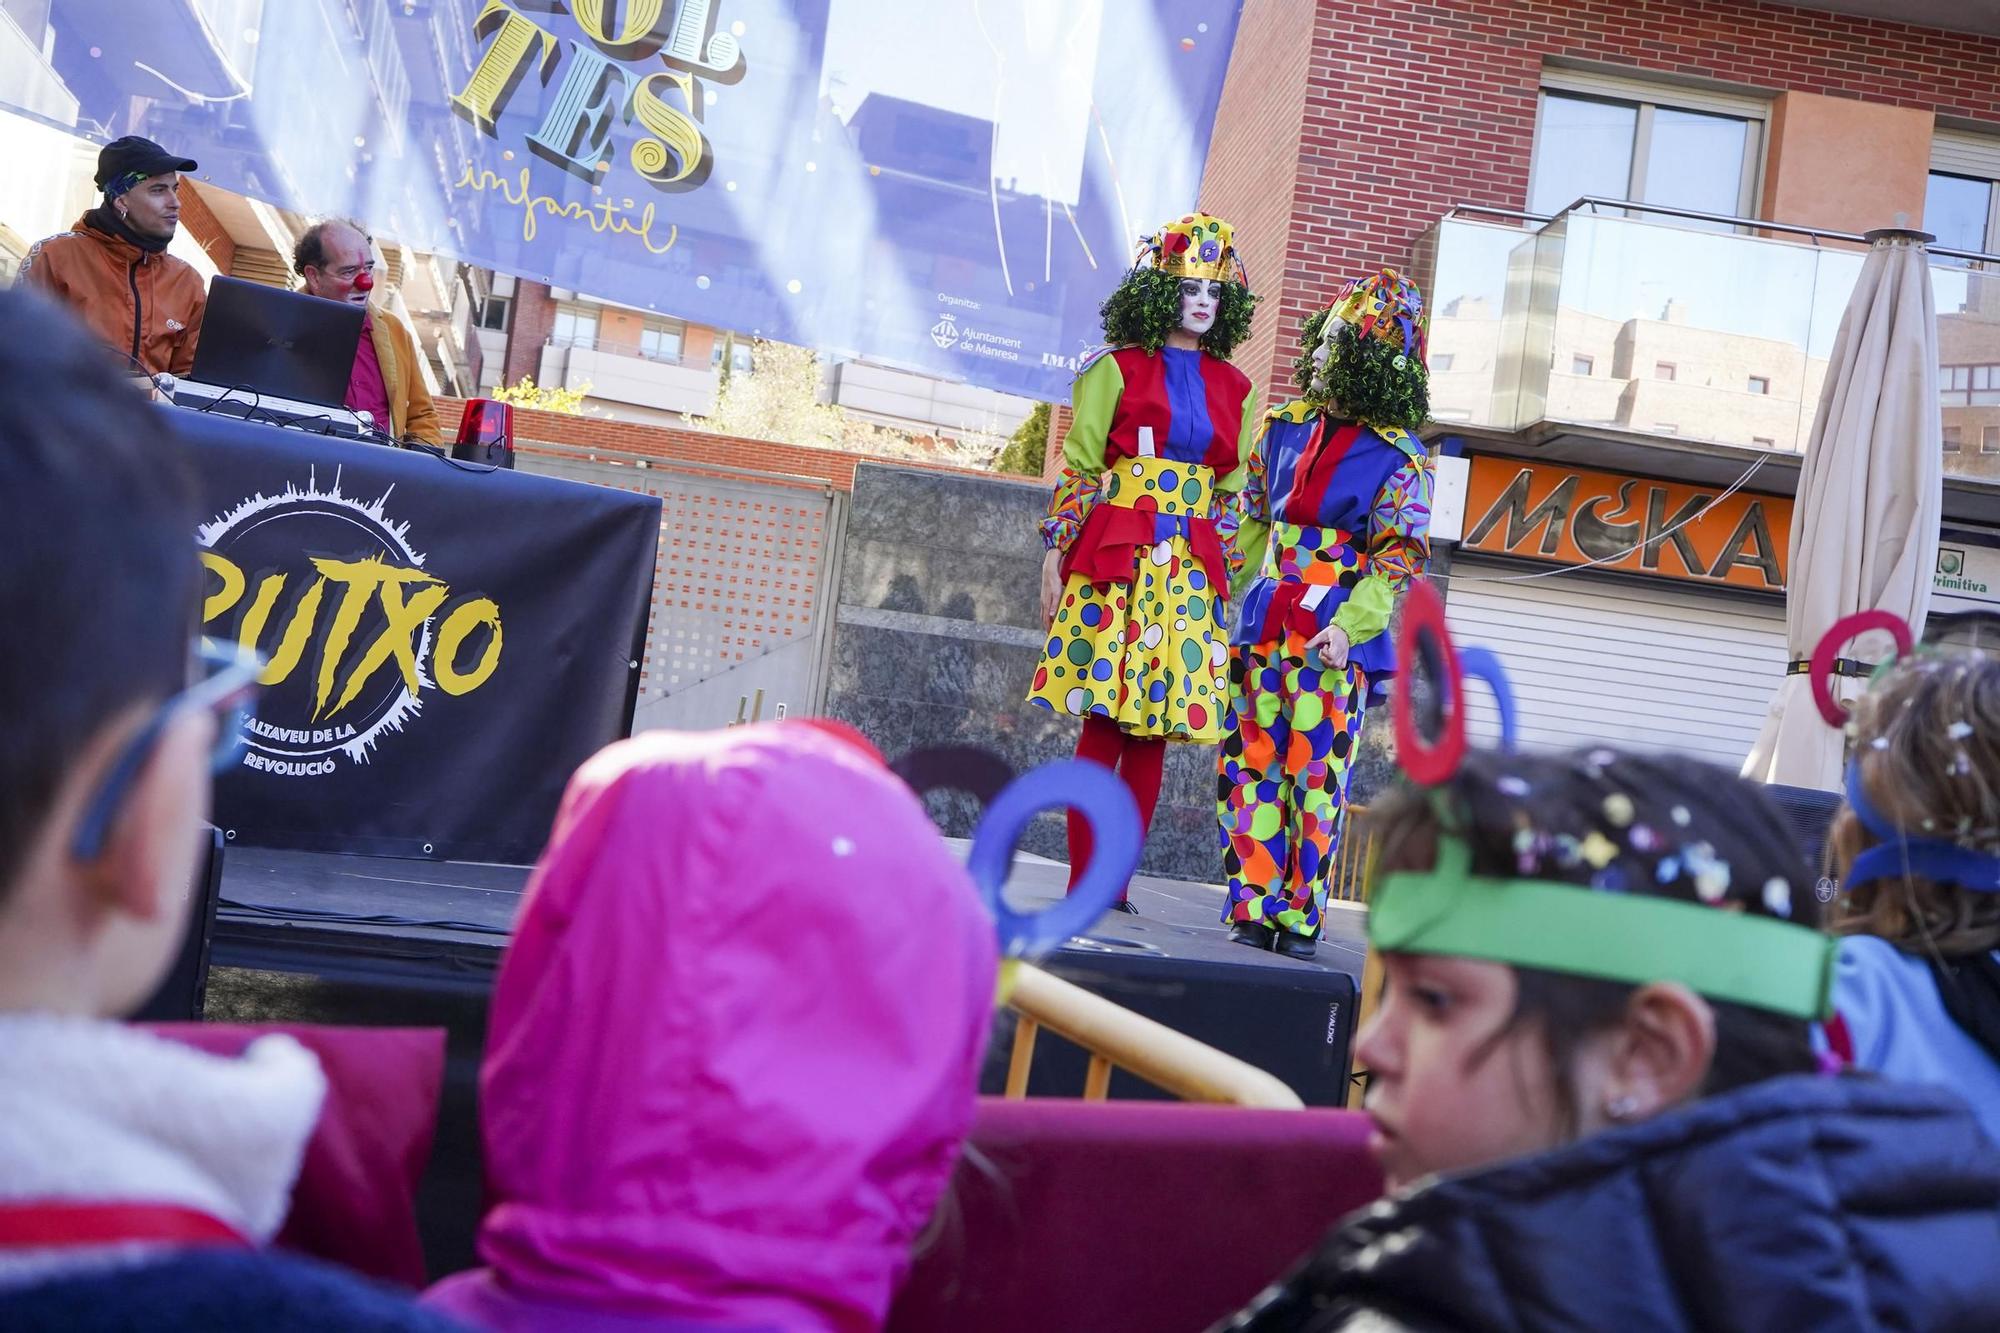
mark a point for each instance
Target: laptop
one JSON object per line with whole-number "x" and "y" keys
{"x": 277, "y": 343}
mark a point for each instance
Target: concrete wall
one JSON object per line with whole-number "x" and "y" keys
{"x": 908, "y": 401}
{"x": 1822, "y": 148}
{"x": 937, "y": 634}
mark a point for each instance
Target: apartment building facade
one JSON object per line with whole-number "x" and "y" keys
{"x": 640, "y": 366}
{"x": 1637, "y": 226}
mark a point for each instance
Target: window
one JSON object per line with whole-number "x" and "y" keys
{"x": 1663, "y": 370}
{"x": 1958, "y": 211}
{"x": 1441, "y": 363}
{"x": 661, "y": 342}
{"x": 1989, "y": 439}
{"x": 1969, "y": 386}
{"x": 1760, "y": 384}
{"x": 574, "y": 328}
{"x": 1954, "y": 440}
{"x": 1619, "y": 138}
{"x": 493, "y": 314}
{"x": 1961, "y": 201}
{"x": 1582, "y": 365}
{"x": 739, "y": 361}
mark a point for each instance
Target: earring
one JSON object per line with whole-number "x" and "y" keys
{"x": 1622, "y": 1107}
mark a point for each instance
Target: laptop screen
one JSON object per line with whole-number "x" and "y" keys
{"x": 270, "y": 341}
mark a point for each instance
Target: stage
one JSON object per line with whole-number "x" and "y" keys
{"x": 443, "y": 924}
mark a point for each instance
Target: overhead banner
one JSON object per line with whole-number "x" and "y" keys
{"x": 445, "y": 647}
{"x": 949, "y": 186}
{"x": 1571, "y": 516}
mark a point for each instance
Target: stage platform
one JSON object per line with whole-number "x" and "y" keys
{"x": 442, "y": 924}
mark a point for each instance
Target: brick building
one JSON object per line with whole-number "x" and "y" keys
{"x": 1357, "y": 124}
{"x": 1649, "y": 356}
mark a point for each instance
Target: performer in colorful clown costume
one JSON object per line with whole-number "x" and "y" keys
{"x": 1335, "y": 523}
{"x": 1135, "y": 575}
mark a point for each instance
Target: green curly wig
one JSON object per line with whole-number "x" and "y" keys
{"x": 1147, "y": 307}
{"x": 1362, "y": 379}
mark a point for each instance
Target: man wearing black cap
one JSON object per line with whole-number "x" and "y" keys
{"x": 113, "y": 268}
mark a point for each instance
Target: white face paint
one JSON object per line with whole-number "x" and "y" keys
{"x": 1201, "y": 300}
{"x": 1323, "y": 352}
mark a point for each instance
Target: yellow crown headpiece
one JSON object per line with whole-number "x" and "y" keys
{"x": 1197, "y": 246}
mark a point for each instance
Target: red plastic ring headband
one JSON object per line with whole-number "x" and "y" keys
{"x": 1845, "y": 631}
{"x": 1428, "y": 763}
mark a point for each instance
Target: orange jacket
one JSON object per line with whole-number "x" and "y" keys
{"x": 145, "y": 306}
{"x": 411, "y": 411}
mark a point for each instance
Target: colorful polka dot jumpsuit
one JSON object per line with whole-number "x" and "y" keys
{"x": 1334, "y": 525}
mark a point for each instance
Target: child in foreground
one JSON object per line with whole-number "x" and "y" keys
{"x": 1595, "y": 1095}
{"x": 735, "y": 1045}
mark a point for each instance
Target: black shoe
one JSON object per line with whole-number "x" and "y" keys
{"x": 1125, "y": 905}
{"x": 1253, "y": 933}
{"x": 1296, "y": 946}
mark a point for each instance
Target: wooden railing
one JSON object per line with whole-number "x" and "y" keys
{"x": 1347, "y": 881}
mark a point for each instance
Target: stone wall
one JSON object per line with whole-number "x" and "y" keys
{"x": 938, "y": 632}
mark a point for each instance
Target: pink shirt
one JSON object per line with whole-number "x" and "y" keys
{"x": 366, "y": 389}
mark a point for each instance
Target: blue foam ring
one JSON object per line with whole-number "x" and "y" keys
{"x": 1483, "y": 664}
{"x": 1094, "y": 791}
{"x": 1897, "y": 855}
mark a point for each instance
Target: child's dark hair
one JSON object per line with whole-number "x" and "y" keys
{"x": 100, "y": 588}
{"x": 1362, "y": 378}
{"x": 1610, "y": 822}
{"x": 1928, "y": 740}
{"x": 1146, "y": 307}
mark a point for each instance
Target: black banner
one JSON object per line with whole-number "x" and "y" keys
{"x": 446, "y": 646}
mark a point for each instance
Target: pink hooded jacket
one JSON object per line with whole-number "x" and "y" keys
{"x": 734, "y": 1047}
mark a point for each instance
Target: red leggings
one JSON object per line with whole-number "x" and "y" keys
{"x": 1139, "y": 761}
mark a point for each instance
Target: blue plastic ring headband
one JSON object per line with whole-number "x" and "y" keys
{"x": 1011, "y": 804}
{"x": 1105, "y": 803}
{"x": 1895, "y": 856}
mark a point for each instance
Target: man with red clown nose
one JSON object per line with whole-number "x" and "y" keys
{"x": 335, "y": 260}
{"x": 1335, "y": 524}
{"x": 1135, "y": 574}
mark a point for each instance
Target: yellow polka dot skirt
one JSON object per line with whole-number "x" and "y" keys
{"x": 1150, "y": 655}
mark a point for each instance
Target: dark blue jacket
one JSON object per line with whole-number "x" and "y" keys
{"x": 214, "y": 1291}
{"x": 1798, "y": 1203}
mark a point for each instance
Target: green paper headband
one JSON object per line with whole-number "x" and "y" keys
{"x": 1749, "y": 960}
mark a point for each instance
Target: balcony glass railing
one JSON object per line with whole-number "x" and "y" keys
{"x": 665, "y": 354}
{"x": 1599, "y": 319}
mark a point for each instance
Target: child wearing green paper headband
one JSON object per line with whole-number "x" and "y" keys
{"x": 1595, "y": 1093}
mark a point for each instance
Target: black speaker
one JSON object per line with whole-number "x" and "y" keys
{"x": 179, "y": 997}
{"x": 1292, "y": 1020}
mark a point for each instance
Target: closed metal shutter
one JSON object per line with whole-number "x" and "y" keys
{"x": 1630, "y": 664}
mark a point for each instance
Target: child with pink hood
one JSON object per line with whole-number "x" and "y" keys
{"x": 735, "y": 1044}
